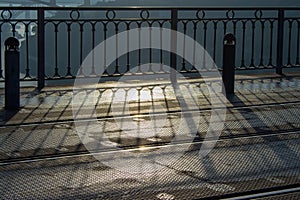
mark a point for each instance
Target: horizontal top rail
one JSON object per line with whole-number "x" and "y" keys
{"x": 149, "y": 8}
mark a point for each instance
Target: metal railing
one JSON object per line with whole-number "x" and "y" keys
{"x": 55, "y": 41}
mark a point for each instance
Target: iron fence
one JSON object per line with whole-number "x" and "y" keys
{"x": 56, "y": 40}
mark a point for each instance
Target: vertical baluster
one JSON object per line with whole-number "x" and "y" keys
{"x": 215, "y": 41}
{"x": 27, "y": 69}
{"x": 69, "y": 49}
{"x": 298, "y": 43}
{"x": 184, "y": 32}
{"x": 1, "y": 67}
{"x": 139, "y": 51}
{"x": 117, "y": 71}
{"x": 261, "y": 63}
{"x": 204, "y": 44}
{"x": 234, "y": 22}
{"x": 225, "y": 27}
{"x": 234, "y": 26}
{"x": 243, "y": 43}
{"x": 150, "y": 53}
{"x": 56, "y": 74}
{"x": 160, "y": 50}
{"x": 81, "y": 47}
{"x": 13, "y": 29}
{"x": 271, "y": 43}
{"x": 128, "y": 53}
{"x": 289, "y": 63}
{"x": 234, "y": 31}
{"x": 5, "y": 18}
{"x": 194, "y": 45}
{"x": 93, "y": 24}
{"x": 104, "y": 55}
{"x": 225, "y": 24}
{"x": 252, "y": 43}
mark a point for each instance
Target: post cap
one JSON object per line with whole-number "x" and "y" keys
{"x": 229, "y": 39}
{"x": 12, "y": 44}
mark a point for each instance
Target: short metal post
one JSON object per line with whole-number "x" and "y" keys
{"x": 229, "y": 63}
{"x": 12, "y": 74}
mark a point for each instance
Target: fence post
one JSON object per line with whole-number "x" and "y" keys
{"x": 12, "y": 74}
{"x": 228, "y": 63}
{"x": 280, "y": 32}
{"x": 173, "y": 58}
{"x": 41, "y": 49}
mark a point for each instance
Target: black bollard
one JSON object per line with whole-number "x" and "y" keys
{"x": 12, "y": 74}
{"x": 229, "y": 63}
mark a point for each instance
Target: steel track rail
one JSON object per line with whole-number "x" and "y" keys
{"x": 260, "y": 193}
{"x": 78, "y": 154}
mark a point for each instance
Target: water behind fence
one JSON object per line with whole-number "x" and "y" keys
{"x": 55, "y": 41}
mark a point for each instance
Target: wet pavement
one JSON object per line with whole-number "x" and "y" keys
{"x": 42, "y": 156}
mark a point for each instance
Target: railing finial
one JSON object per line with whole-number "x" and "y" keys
{"x": 229, "y": 39}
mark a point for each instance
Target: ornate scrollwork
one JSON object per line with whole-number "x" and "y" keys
{"x": 200, "y": 14}
{"x": 110, "y": 14}
{"x": 74, "y": 15}
{"x": 144, "y": 14}
{"x": 258, "y": 14}
{"x": 230, "y": 14}
{"x": 6, "y": 15}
